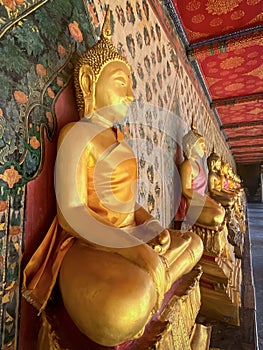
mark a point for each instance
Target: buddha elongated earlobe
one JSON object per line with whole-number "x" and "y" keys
{"x": 87, "y": 85}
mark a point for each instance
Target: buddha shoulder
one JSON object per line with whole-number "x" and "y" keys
{"x": 64, "y": 131}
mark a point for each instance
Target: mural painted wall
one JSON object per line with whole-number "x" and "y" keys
{"x": 40, "y": 41}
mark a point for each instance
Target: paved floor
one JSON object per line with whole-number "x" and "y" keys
{"x": 255, "y": 223}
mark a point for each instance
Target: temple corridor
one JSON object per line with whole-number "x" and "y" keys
{"x": 249, "y": 336}
{"x": 255, "y": 222}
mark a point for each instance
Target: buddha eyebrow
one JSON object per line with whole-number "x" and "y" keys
{"x": 118, "y": 72}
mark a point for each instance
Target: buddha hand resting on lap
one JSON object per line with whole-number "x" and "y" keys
{"x": 111, "y": 290}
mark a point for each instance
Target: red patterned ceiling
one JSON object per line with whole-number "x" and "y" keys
{"x": 246, "y": 131}
{"x": 207, "y": 19}
{"x": 244, "y": 112}
{"x": 224, "y": 40}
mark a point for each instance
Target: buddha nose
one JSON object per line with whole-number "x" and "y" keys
{"x": 129, "y": 98}
{"x": 130, "y": 95}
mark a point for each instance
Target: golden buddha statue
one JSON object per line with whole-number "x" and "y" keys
{"x": 215, "y": 188}
{"x": 208, "y": 220}
{"x": 110, "y": 291}
{"x": 227, "y": 178}
{"x": 231, "y": 184}
{"x": 206, "y": 212}
{"x": 228, "y": 198}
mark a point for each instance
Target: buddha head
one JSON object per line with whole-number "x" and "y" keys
{"x": 193, "y": 144}
{"x": 224, "y": 168}
{"x": 214, "y": 162}
{"x": 102, "y": 78}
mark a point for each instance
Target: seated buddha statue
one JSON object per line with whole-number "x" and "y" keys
{"x": 200, "y": 207}
{"x": 231, "y": 184}
{"x": 226, "y": 178}
{"x": 215, "y": 188}
{"x": 113, "y": 261}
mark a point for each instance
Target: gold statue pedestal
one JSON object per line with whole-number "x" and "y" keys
{"x": 235, "y": 232}
{"x": 220, "y": 283}
{"x": 173, "y": 327}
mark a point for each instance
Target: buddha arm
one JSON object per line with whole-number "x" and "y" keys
{"x": 141, "y": 216}
{"x": 61, "y": 219}
{"x": 212, "y": 185}
{"x": 187, "y": 174}
{"x": 73, "y": 203}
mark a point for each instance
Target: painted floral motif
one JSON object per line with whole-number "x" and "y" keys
{"x": 3, "y": 205}
{"x": 11, "y": 176}
{"x": 219, "y": 7}
{"x": 20, "y": 96}
{"x": 75, "y": 31}
{"x": 11, "y": 4}
{"x": 62, "y": 51}
{"x": 34, "y": 143}
{"x": 41, "y": 70}
{"x": 37, "y": 59}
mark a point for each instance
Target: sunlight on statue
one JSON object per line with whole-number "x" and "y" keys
{"x": 199, "y": 207}
{"x": 110, "y": 290}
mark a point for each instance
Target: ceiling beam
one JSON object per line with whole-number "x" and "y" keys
{"x": 256, "y": 153}
{"x": 236, "y": 99}
{"x": 250, "y": 157}
{"x": 250, "y": 162}
{"x": 246, "y": 161}
{"x": 225, "y": 37}
{"x": 260, "y": 145}
{"x": 244, "y": 137}
{"x": 241, "y": 124}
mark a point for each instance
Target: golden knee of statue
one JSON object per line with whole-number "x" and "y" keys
{"x": 114, "y": 263}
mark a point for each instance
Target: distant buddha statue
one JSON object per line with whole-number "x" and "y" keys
{"x": 110, "y": 291}
{"x": 208, "y": 219}
{"x": 199, "y": 206}
{"x": 231, "y": 184}
{"x": 215, "y": 187}
{"x": 227, "y": 178}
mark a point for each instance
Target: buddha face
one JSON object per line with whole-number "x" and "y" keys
{"x": 114, "y": 90}
{"x": 198, "y": 149}
{"x": 230, "y": 172}
{"x": 225, "y": 168}
{"x": 217, "y": 164}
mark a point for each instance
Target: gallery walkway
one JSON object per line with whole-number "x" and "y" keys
{"x": 249, "y": 336}
{"x": 255, "y": 223}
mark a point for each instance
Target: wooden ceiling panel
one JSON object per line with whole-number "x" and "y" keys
{"x": 246, "y": 131}
{"x": 233, "y": 74}
{"x": 211, "y": 18}
{"x": 255, "y": 142}
{"x": 224, "y": 42}
{"x": 243, "y": 112}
